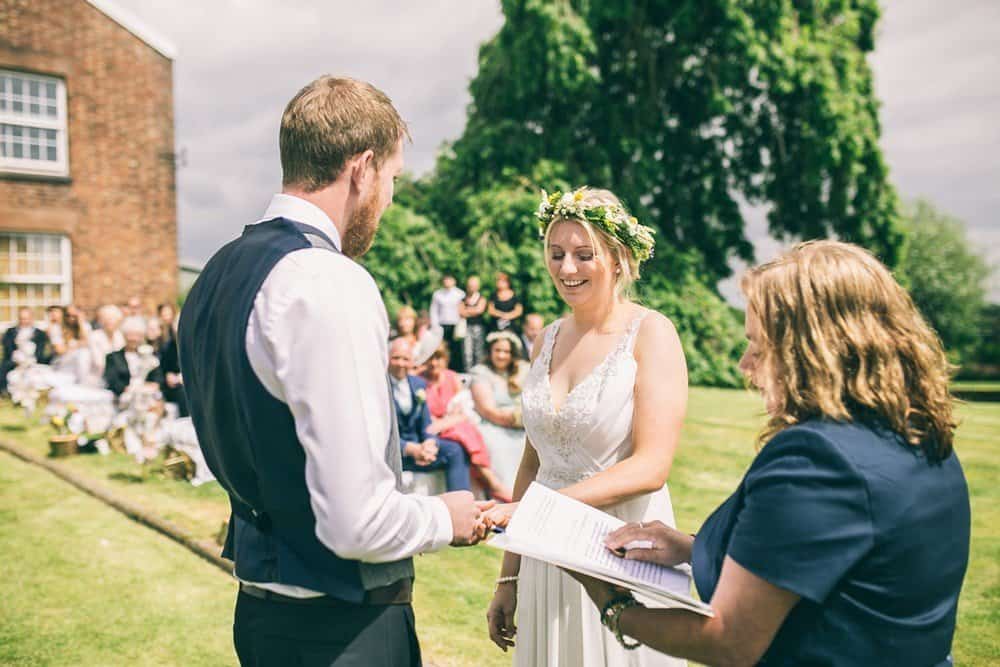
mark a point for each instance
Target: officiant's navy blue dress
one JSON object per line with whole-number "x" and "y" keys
{"x": 872, "y": 535}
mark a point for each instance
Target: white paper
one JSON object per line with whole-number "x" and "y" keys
{"x": 565, "y": 532}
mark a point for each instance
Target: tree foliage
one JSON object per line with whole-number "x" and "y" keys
{"x": 946, "y": 277}
{"x": 410, "y": 256}
{"x": 685, "y": 109}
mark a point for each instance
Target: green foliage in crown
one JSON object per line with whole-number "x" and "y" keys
{"x": 613, "y": 219}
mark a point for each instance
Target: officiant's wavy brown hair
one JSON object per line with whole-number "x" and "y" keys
{"x": 842, "y": 340}
{"x": 331, "y": 120}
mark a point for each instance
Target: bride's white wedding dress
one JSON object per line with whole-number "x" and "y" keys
{"x": 557, "y": 624}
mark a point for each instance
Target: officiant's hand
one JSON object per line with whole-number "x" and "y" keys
{"x": 669, "y": 546}
{"x": 500, "y": 515}
{"x": 467, "y": 525}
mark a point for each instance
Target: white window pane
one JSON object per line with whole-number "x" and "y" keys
{"x": 3, "y": 83}
{"x": 50, "y": 90}
{"x": 18, "y": 85}
{"x": 51, "y": 111}
{"x": 34, "y": 88}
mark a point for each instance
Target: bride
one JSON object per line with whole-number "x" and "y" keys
{"x": 603, "y": 405}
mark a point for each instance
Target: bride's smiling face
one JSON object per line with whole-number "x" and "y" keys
{"x": 579, "y": 270}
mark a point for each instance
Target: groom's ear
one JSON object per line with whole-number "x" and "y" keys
{"x": 359, "y": 169}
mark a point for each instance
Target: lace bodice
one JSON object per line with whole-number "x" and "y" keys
{"x": 592, "y": 429}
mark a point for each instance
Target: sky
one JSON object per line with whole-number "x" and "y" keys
{"x": 936, "y": 65}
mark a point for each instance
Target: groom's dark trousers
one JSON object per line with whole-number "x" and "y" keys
{"x": 269, "y": 632}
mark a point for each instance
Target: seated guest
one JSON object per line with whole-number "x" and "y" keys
{"x": 124, "y": 366}
{"x": 75, "y": 358}
{"x": 25, "y": 330}
{"x": 847, "y": 541}
{"x": 421, "y": 450}
{"x": 449, "y": 421}
{"x": 54, "y": 324}
{"x": 496, "y": 394}
{"x": 106, "y": 338}
{"x": 533, "y": 325}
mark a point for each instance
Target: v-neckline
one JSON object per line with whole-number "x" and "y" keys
{"x": 548, "y": 364}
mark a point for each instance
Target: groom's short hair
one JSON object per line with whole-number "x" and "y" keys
{"x": 331, "y": 120}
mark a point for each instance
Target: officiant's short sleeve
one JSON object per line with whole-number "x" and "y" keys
{"x": 806, "y": 519}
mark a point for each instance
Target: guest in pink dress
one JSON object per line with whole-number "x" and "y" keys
{"x": 442, "y": 386}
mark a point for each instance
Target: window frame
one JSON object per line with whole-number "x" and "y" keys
{"x": 63, "y": 279}
{"x": 40, "y": 167}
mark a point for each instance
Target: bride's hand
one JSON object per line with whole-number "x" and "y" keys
{"x": 668, "y": 546}
{"x": 500, "y": 615}
{"x": 500, "y": 515}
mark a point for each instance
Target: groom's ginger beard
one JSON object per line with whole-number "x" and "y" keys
{"x": 362, "y": 226}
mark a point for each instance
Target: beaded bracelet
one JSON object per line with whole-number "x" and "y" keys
{"x": 507, "y": 580}
{"x": 611, "y": 618}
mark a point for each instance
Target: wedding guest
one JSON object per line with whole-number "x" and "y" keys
{"x": 106, "y": 338}
{"x": 25, "y": 329}
{"x": 134, "y": 308}
{"x": 125, "y": 365}
{"x": 533, "y": 325}
{"x": 154, "y": 334}
{"x": 445, "y": 304}
{"x": 172, "y": 385}
{"x": 448, "y": 420}
{"x": 505, "y": 308}
{"x": 406, "y": 325}
{"x": 53, "y": 328}
{"x": 496, "y": 394}
{"x": 76, "y": 359}
{"x": 167, "y": 315}
{"x": 422, "y": 451}
{"x": 473, "y": 310}
{"x": 848, "y": 538}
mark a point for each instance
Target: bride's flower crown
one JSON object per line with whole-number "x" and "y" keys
{"x": 611, "y": 218}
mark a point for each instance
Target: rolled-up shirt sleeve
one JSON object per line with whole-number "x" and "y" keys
{"x": 807, "y": 516}
{"x": 317, "y": 340}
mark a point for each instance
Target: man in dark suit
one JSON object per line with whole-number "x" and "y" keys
{"x": 118, "y": 369}
{"x": 25, "y": 329}
{"x": 421, "y": 452}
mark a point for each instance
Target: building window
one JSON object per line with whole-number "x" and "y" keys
{"x": 33, "y": 124}
{"x": 35, "y": 271}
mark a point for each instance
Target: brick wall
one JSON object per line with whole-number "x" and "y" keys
{"x": 118, "y": 205}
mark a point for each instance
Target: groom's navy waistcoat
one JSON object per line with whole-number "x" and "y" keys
{"x": 248, "y": 437}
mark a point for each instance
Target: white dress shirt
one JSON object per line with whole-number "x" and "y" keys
{"x": 444, "y": 306}
{"x": 401, "y": 393}
{"x": 317, "y": 341}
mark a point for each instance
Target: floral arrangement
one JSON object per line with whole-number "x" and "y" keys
{"x": 613, "y": 219}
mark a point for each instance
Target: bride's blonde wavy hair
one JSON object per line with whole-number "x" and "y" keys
{"x": 840, "y": 339}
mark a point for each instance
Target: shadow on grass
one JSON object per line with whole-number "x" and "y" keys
{"x": 128, "y": 477}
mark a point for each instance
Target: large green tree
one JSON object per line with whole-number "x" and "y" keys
{"x": 686, "y": 109}
{"x": 946, "y": 277}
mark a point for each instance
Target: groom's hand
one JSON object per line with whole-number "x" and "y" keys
{"x": 467, "y": 528}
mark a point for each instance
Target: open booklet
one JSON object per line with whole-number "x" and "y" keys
{"x": 557, "y": 529}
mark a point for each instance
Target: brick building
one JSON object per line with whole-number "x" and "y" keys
{"x": 87, "y": 186}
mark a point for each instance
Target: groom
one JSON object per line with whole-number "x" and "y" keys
{"x": 283, "y": 351}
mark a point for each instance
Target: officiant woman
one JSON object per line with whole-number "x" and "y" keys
{"x": 847, "y": 541}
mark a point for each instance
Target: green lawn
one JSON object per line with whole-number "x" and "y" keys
{"x": 453, "y": 587}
